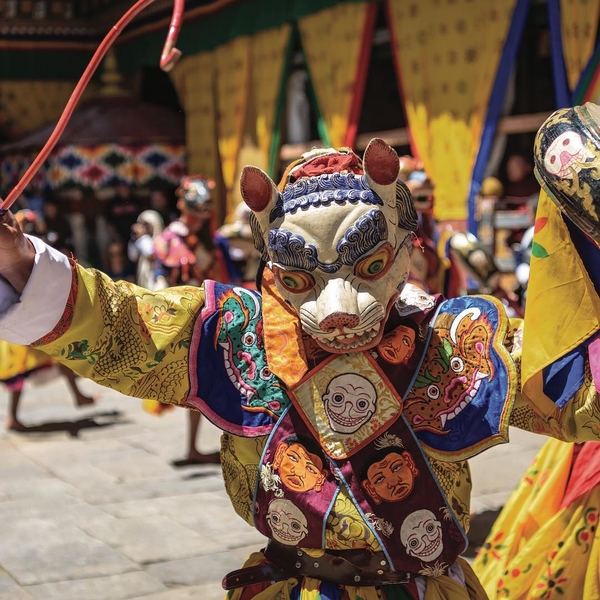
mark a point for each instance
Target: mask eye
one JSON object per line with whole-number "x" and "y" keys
{"x": 433, "y": 392}
{"x": 296, "y": 282}
{"x": 248, "y": 338}
{"x": 376, "y": 265}
{"x": 457, "y": 364}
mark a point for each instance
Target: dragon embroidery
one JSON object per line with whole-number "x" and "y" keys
{"x": 240, "y": 335}
{"x": 457, "y": 363}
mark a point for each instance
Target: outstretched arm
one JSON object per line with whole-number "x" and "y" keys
{"x": 118, "y": 334}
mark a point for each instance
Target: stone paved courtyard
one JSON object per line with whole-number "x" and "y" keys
{"x": 91, "y": 508}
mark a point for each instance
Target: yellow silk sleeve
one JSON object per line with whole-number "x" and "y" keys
{"x": 125, "y": 337}
{"x": 577, "y": 421}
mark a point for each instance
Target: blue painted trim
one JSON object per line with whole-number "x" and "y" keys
{"x": 585, "y": 79}
{"x": 507, "y": 60}
{"x": 561, "y": 86}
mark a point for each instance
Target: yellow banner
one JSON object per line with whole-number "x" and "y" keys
{"x": 447, "y": 56}
{"x": 578, "y": 25}
{"x": 336, "y": 53}
{"x": 233, "y": 84}
{"x": 29, "y": 105}
{"x": 194, "y": 79}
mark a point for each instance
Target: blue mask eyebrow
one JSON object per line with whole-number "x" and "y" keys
{"x": 291, "y": 250}
{"x": 368, "y": 231}
{"x": 323, "y": 190}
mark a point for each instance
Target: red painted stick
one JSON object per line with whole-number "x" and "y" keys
{"x": 169, "y": 56}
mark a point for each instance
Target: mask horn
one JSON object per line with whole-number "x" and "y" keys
{"x": 258, "y": 190}
{"x": 381, "y": 163}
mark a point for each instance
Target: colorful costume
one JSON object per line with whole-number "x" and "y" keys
{"x": 545, "y": 542}
{"x": 349, "y": 409}
{"x": 18, "y": 362}
{"x": 187, "y": 250}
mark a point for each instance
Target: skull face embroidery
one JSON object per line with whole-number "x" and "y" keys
{"x": 350, "y": 401}
{"x": 421, "y": 535}
{"x": 287, "y": 522}
{"x": 566, "y": 152}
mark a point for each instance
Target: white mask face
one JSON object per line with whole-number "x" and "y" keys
{"x": 421, "y": 535}
{"x": 336, "y": 248}
{"x": 287, "y": 522}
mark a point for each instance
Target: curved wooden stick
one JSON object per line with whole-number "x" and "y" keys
{"x": 169, "y": 56}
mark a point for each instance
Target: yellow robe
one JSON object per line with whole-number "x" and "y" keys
{"x": 538, "y": 548}
{"x": 20, "y": 360}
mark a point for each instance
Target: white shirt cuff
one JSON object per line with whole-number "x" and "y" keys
{"x": 28, "y": 318}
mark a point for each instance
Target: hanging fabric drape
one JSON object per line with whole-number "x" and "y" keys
{"x": 270, "y": 56}
{"x": 29, "y": 105}
{"x": 233, "y": 79}
{"x": 194, "y": 80}
{"x": 573, "y": 25}
{"x": 447, "y": 60}
{"x": 588, "y": 88}
{"x": 337, "y": 45}
{"x": 579, "y": 23}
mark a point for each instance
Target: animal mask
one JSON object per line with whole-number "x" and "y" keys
{"x": 567, "y": 164}
{"x": 337, "y": 238}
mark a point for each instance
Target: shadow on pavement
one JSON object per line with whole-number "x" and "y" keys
{"x": 481, "y": 524}
{"x": 204, "y": 473}
{"x": 100, "y": 419}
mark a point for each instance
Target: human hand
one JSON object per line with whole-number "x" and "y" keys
{"x": 17, "y": 254}
{"x": 137, "y": 231}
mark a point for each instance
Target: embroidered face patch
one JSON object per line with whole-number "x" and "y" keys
{"x": 240, "y": 336}
{"x": 346, "y": 402}
{"x": 389, "y": 475}
{"x": 421, "y": 535}
{"x": 458, "y": 402}
{"x": 299, "y": 469}
{"x": 287, "y": 522}
{"x": 398, "y": 346}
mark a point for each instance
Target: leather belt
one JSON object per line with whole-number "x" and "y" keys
{"x": 344, "y": 567}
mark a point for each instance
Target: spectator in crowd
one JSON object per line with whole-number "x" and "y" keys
{"x": 242, "y": 257}
{"x": 57, "y": 229}
{"x": 160, "y": 202}
{"x": 118, "y": 265}
{"x": 520, "y": 180}
{"x": 140, "y": 249}
{"x": 122, "y": 211}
